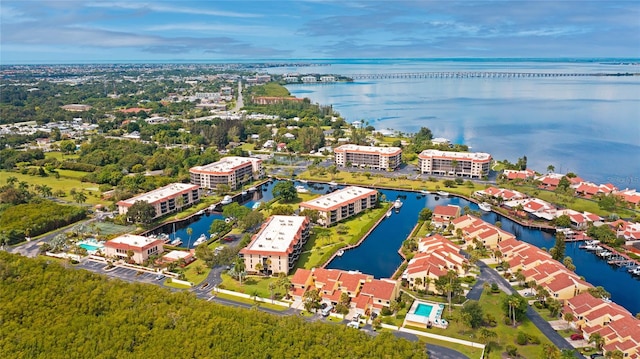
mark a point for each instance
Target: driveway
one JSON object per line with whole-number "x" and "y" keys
{"x": 434, "y": 351}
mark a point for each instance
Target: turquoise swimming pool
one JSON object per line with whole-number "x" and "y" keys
{"x": 90, "y": 247}
{"x": 423, "y": 309}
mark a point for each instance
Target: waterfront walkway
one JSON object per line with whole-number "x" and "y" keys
{"x": 478, "y": 74}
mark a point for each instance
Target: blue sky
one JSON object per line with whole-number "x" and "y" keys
{"x": 97, "y": 31}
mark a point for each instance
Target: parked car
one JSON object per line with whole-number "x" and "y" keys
{"x": 326, "y": 311}
{"x": 576, "y": 336}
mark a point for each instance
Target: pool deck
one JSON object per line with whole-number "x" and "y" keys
{"x": 434, "y": 317}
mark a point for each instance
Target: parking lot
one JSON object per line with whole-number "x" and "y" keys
{"x": 127, "y": 274}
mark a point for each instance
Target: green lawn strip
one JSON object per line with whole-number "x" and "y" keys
{"x": 77, "y": 175}
{"x": 169, "y": 283}
{"x": 250, "y": 285}
{"x": 251, "y": 301}
{"x": 60, "y": 156}
{"x": 544, "y": 313}
{"x": 192, "y": 275}
{"x": 470, "y": 352}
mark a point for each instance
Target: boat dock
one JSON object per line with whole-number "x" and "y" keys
{"x": 613, "y": 257}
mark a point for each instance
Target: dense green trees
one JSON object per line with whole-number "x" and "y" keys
{"x": 285, "y": 190}
{"x": 141, "y": 212}
{"x": 52, "y": 312}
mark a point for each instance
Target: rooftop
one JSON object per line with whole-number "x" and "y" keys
{"x": 170, "y": 190}
{"x": 132, "y": 240}
{"x": 339, "y": 197}
{"x": 278, "y": 234}
{"x": 225, "y": 165}
{"x": 455, "y": 155}
{"x": 369, "y": 149}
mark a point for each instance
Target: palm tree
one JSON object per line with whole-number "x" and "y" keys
{"x": 239, "y": 268}
{"x": 284, "y": 283}
{"x": 418, "y": 282}
{"x": 11, "y": 180}
{"x": 189, "y": 233}
{"x": 597, "y": 340}
{"x": 258, "y": 267}
{"x": 568, "y": 317}
{"x": 567, "y": 354}
{"x": 267, "y": 265}
{"x": 272, "y": 287}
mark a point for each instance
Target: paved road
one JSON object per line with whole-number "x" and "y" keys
{"x": 32, "y": 248}
{"x": 434, "y": 351}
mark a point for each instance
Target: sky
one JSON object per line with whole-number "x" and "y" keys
{"x": 69, "y": 31}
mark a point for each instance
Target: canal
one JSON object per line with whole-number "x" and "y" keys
{"x": 378, "y": 254}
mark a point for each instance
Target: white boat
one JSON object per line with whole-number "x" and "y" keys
{"x": 424, "y": 192}
{"x": 200, "y": 212}
{"x": 397, "y": 204}
{"x": 388, "y": 214}
{"x": 252, "y": 189}
{"x": 243, "y": 193}
{"x": 340, "y": 253}
{"x": 485, "y": 206}
{"x": 302, "y": 181}
{"x": 443, "y": 193}
{"x": 592, "y": 242}
{"x": 200, "y": 240}
{"x": 226, "y": 200}
{"x": 333, "y": 184}
{"x": 176, "y": 242}
{"x": 256, "y": 205}
{"x": 301, "y": 189}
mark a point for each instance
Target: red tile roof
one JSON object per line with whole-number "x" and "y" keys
{"x": 446, "y": 211}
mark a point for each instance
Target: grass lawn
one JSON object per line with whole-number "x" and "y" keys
{"x": 169, "y": 283}
{"x": 63, "y": 183}
{"x": 250, "y": 285}
{"x": 466, "y": 350}
{"x": 191, "y": 272}
{"x": 323, "y": 242}
{"x": 506, "y": 334}
{"x": 251, "y": 301}
{"x": 60, "y": 156}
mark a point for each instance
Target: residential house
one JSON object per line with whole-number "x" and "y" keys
{"x": 137, "y": 248}
{"x": 442, "y": 216}
{"x": 341, "y": 204}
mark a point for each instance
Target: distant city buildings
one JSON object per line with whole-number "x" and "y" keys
{"x": 341, "y": 204}
{"x": 459, "y": 164}
{"x": 167, "y": 199}
{"x": 232, "y": 171}
{"x": 277, "y": 245}
{"x": 371, "y": 157}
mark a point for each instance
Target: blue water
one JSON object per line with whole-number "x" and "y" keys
{"x": 378, "y": 254}
{"x": 424, "y": 309}
{"x": 90, "y": 247}
{"x": 586, "y": 125}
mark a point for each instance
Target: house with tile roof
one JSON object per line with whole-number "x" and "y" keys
{"x": 502, "y": 194}
{"x": 436, "y": 256}
{"x": 516, "y": 174}
{"x": 474, "y": 228}
{"x": 443, "y": 215}
{"x": 367, "y": 294}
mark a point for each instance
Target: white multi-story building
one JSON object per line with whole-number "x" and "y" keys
{"x": 277, "y": 246}
{"x": 139, "y": 248}
{"x": 378, "y": 158}
{"x": 341, "y": 204}
{"x": 232, "y": 171}
{"x": 167, "y": 199}
{"x": 459, "y": 164}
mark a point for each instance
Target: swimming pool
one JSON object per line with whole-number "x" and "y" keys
{"x": 90, "y": 247}
{"x": 423, "y": 309}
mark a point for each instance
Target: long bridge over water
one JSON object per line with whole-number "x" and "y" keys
{"x": 480, "y": 74}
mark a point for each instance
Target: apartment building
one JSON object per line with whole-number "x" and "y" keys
{"x": 459, "y": 164}
{"x": 277, "y": 246}
{"x": 341, "y": 204}
{"x": 167, "y": 199}
{"x": 138, "y": 247}
{"x": 232, "y": 171}
{"x": 377, "y": 158}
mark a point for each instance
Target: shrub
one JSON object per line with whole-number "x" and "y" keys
{"x": 511, "y": 350}
{"x": 386, "y": 311}
{"x": 532, "y": 339}
{"x": 521, "y": 339}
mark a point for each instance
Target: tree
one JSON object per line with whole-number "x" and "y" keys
{"x": 449, "y": 284}
{"x": 205, "y": 253}
{"x": 568, "y": 317}
{"x": 425, "y": 214}
{"x": 312, "y": 214}
{"x": 189, "y": 233}
{"x": 259, "y": 267}
{"x": 311, "y": 299}
{"x": 558, "y": 247}
{"x": 474, "y": 312}
{"x": 80, "y": 197}
{"x": 239, "y": 268}
{"x": 251, "y": 220}
{"x": 563, "y": 221}
{"x": 285, "y": 190}
{"x": 235, "y": 210}
{"x": 486, "y": 335}
{"x": 67, "y": 146}
{"x": 515, "y": 306}
{"x": 551, "y": 351}
{"x": 616, "y": 354}
{"x": 272, "y": 286}
{"x": 551, "y": 168}
{"x": 219, "y": 226}
{"x": 597, "y": 340}
{"x": 284, "y": 282}
{"x": 141, "y": 212}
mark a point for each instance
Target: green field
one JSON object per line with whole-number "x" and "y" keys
{"x": 65, "y": 184}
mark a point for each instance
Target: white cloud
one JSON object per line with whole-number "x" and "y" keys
{"x": 171, "y": 9}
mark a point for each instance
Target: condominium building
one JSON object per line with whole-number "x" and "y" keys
{"x": 341, "y": 204}
{"x": 277, "y": 246}
{"x": 139, "y": 248}
{"x": 232, "y": 171}
{"x": 167, "y": 199}
{"x": 459, "y": 164}
{"x": 378, "y": 158}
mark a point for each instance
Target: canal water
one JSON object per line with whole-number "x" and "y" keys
{"x": 378, "y": 253}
